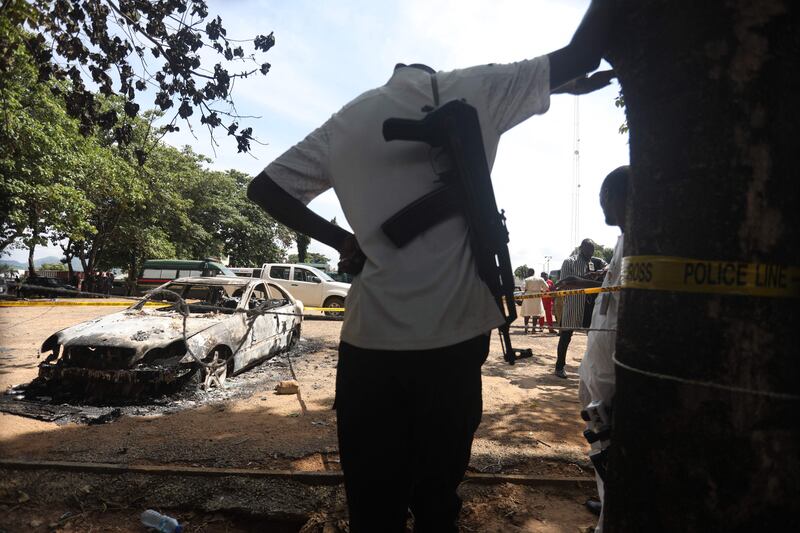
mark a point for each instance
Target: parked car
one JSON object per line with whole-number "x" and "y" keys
{"x": 158, "y": 271}
{"x": 246, "y": 272}
{"x": 310, "y": 285}
{"x": 142, "y": 350}
{"x": 344, "y": 277}
{"x": 46, "y": 287}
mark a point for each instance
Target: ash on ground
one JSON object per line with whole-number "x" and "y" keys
{"x": 262, "y": 377}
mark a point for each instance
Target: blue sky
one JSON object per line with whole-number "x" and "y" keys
{"x": 328, "y": 52}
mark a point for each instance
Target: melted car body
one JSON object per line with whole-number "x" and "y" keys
{"x": 198, "y": 327}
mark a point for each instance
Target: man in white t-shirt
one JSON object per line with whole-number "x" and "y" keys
{"x": 415, "y": 331}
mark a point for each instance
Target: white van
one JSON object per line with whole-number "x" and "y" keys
{"x": 310, "y": 285}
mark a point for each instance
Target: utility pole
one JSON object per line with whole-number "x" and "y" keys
{"x": 576, "y": 173}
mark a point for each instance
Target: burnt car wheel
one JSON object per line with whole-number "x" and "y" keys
{"x": 294, "y": 337}
{"x": 218, "y": 366}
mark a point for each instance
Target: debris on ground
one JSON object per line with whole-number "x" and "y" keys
{"x": 22, "y": 400}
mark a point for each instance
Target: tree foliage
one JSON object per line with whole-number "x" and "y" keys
{"x": 302, "y": 241}
{"x": 619, "y": 102}
{"x": 171, "y": 48}
{"x": 42, "y": 159}
{"x": 521, "y": 271}
{"x": 94, "y": 198}
{"x": 311, "y": 257}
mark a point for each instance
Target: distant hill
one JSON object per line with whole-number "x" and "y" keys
{"x": 76, "y": 264}
{"x": 13, "y": 264}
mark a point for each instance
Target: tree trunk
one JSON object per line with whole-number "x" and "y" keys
{"x": 81, "y": 253}
{"x": 302, "y": 247}
{"x": 711, "y": 90}
{"x": 31, "y": 266}
{"x": 68, "y": 254}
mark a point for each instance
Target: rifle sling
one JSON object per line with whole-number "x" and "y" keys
{"x": 421, "y": 215}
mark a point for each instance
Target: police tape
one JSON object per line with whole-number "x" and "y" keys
{"x": 568, "y": 292}
{"x": 666, "y": 273}
{"x": 65, "y": 303}
{"x": 69, "y": 303}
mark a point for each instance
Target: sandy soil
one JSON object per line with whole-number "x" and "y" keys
{"x": 530, "y": 425}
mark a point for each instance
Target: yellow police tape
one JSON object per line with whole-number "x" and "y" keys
{"x": 682, "y": 274}
{"x": 568, "y": 292}
{"x": 34, "y": 303}
{"x": 66, "y": 303}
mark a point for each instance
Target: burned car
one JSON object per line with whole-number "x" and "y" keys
{"x": 195, "y": 329}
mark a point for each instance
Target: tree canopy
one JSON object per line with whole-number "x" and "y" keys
{"x": 311, "y": 257}
{"x": 172, "y": 49}
{"x": 92, "y": 196}
{"x": 521, "y": 271}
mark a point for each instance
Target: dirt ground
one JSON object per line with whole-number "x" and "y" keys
{"x": 530, "y": 426}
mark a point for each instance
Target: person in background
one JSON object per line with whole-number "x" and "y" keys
{"x": 547, "y": 302}
{"x": 109, "y": 282}
{"x": 597, "y": 379}
{"x": 532, "y": 308}
{"x": 580, "y": 265}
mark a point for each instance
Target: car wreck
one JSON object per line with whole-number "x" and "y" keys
{"x": 206, "y": 329}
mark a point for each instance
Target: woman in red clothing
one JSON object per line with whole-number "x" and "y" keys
{"x": 548, "y": 306}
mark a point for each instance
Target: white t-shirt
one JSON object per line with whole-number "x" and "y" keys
{"x": 597, "y": 367}
{"x": 427, "y": 294}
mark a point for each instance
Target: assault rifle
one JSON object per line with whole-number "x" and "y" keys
{"x": 466, "y": 190}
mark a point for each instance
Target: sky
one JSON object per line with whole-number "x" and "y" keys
{"x": 328, "y": 52}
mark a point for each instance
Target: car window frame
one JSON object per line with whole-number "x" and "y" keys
{"x": 288, "y": 272}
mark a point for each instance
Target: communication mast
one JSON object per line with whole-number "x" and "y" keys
{"x": 576, "y": 175}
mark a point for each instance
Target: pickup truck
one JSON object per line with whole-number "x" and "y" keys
{"x": 310, "y": 285}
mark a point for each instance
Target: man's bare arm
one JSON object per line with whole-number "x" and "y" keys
{"x": 586, "y": 84}
{"x": 584, "y": 52}
{"x": 292, "y": 213}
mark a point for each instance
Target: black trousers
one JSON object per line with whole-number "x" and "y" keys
{"x": 565, "y": 335}
{"x": 405, "y": 423}
{"x": 564, "y": 338}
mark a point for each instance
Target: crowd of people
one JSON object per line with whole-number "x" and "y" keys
{"x": 96, "y": 282}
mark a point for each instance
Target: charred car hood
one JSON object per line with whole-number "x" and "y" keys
{"x": 140, "y": 330}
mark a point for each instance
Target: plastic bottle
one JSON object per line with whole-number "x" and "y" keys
{"x": 161, "y": 523}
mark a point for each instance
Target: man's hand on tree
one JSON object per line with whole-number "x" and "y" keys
{"x": 587, "y": 84}
{"x": 351, "y": 258}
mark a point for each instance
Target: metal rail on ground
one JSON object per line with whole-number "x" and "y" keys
{"x": 330, "y": 477}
